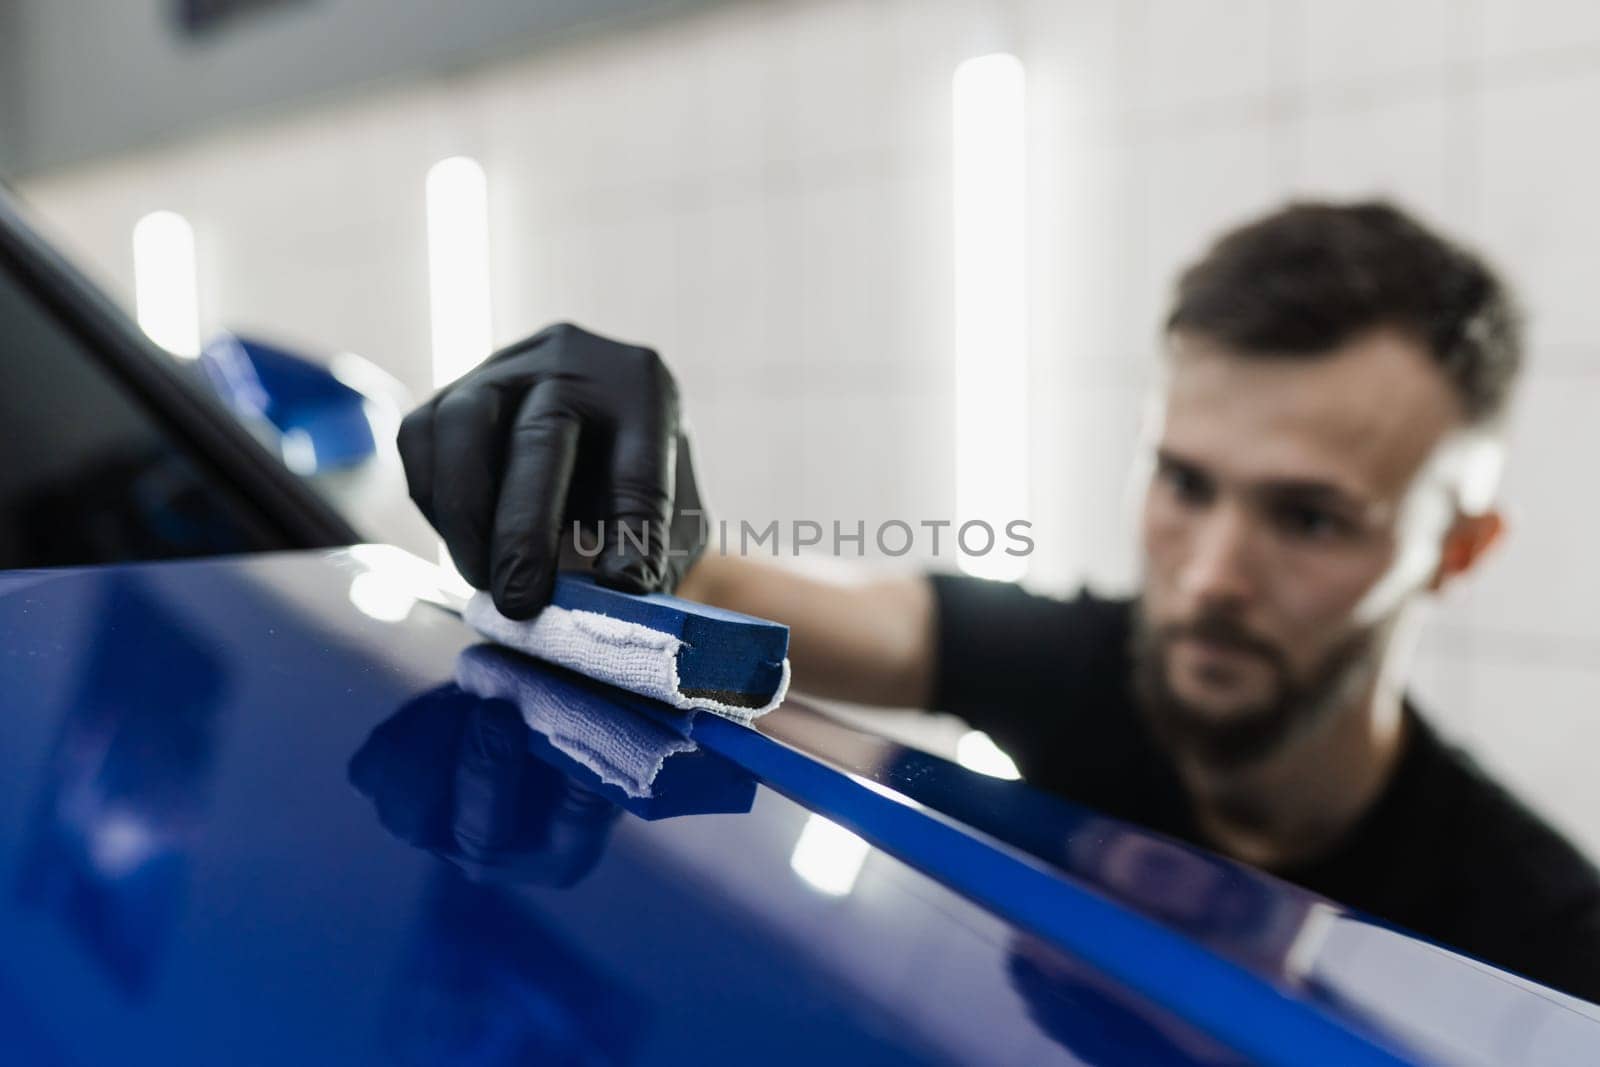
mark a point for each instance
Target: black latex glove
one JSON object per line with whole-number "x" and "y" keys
{"x": 564, "y": 426}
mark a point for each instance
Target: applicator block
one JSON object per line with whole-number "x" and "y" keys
{"x": 724, "y": 656}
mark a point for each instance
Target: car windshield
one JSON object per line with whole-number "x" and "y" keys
{"x": 91, "y": 475}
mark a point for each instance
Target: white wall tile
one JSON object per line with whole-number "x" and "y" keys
{"x": 1073, "y": 52}
{"x": 859, "y": 452}
{"x": 1519, "y": 28}
{"x": 723, "y": 289}
{"x": 1184, "y": 190}
{"x": 852, "y": 283}
{"x": 1537, "y": 174}
{"x": 1359, "y": 41}
{"x": 1402, "y": 149}
{"x": 748, "y": 442}
{"x": 1182, "y": 54}
{"x": 367, "y": 298}
{"x": 631, "y": 267}
{"x": 1085, "y": 528}
{"x": 828, "y": 84}
{"x": 1544, "y": 578}
{"x": 1441, "y": 681}
{"x": 725, "y": 92}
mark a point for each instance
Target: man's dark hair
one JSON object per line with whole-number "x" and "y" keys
{"x": 1311, "y": 276}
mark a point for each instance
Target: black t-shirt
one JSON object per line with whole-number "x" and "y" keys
{"x": 1444, "y": 851}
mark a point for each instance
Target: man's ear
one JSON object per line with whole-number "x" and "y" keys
{"x": 1469, "y": 538}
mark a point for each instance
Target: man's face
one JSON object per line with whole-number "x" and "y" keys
{"x": 1279, "y": 533}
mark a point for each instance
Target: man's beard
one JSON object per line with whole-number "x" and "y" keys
{"x": 1297, "y": 707}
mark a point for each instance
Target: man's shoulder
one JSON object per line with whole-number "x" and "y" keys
{"x": 1494, "y": 829}
{"x": 1006, "y": 654}
{"x": 1515, "y": 889}
{"x": 965, "y": 595}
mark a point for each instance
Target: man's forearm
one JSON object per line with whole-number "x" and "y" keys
{"x": 869, "y": 644}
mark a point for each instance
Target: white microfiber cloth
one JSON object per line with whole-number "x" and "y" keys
{"x": 621, "y": 747}
{"x": 615, "y": 651}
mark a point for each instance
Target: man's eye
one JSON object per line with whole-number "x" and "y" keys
{"x": 1310, "y": 523}
{"x": 1188, "y": 485}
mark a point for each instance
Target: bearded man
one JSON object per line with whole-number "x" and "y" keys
{"x": 1325, "y": 458}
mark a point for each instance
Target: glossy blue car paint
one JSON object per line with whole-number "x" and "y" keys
{"x": 252, "y": 811}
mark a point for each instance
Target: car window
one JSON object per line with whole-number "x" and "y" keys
{"x": 89, "y": 474}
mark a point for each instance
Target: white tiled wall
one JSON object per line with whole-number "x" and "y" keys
{"x": 762, "y": 192}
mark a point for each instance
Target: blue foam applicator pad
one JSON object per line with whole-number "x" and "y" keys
{"x": 733, "y": 658}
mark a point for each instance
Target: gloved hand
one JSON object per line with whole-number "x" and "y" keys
{"x": 562, "y": 427}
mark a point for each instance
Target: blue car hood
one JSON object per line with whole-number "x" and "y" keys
{"x": 285, "y": 809}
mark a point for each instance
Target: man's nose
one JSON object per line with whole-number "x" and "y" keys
{"x": 1219, "y": 570}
